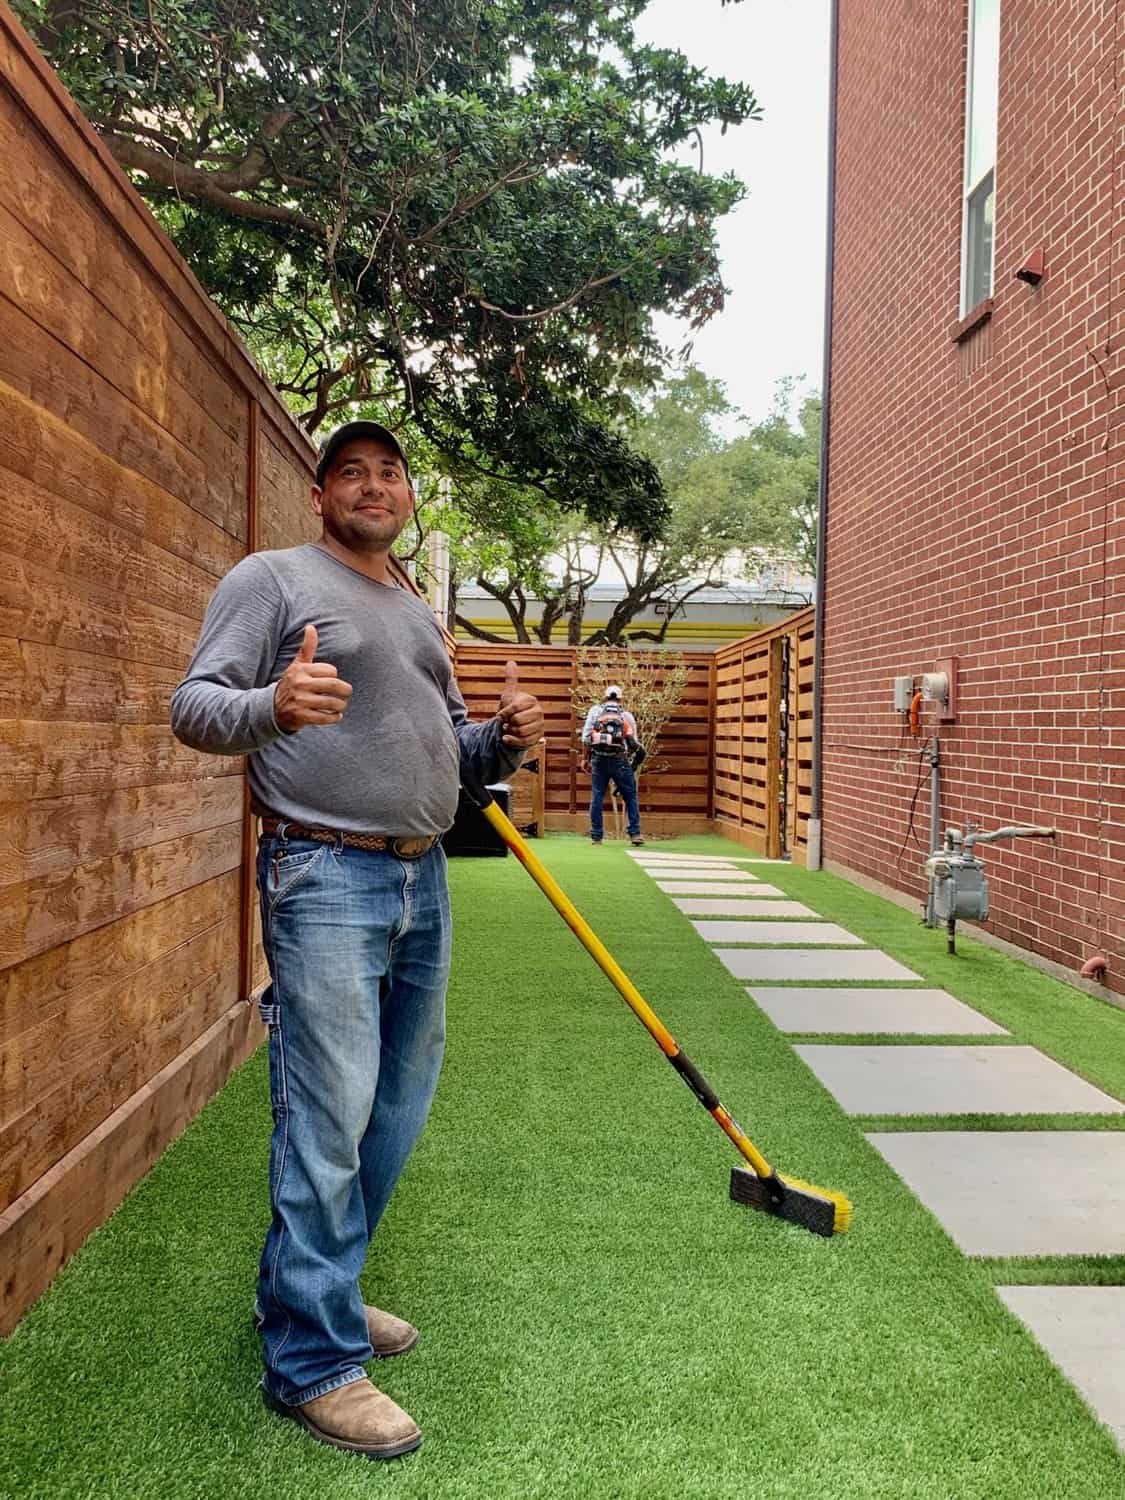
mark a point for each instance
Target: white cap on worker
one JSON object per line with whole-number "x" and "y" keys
{"x": 613, "y": 691}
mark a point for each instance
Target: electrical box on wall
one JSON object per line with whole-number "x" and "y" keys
{"x": 904, "y": 692}
{"x": 935, "y": 688}
{"x": 947, "y": 702}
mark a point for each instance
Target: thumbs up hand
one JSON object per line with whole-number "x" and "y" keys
{"x": 309, "y": 641}
{"x": 309, "y": 691}
{"x": 519, "y": 713}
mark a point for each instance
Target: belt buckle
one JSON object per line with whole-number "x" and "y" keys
{"x": 411, "y": 848}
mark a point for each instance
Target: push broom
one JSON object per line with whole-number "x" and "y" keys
{"x": 817, "y": 1209}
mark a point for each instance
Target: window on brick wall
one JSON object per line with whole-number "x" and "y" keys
{"x": 981, "y": 97}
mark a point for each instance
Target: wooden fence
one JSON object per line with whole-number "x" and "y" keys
{"x": 676, "y": 797}
{"x": 763, "y": 738}
{"x": 141, "y": 456}
{"x": 743, "y": 726}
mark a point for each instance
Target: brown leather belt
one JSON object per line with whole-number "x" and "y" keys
{"x": 374, "y": 843}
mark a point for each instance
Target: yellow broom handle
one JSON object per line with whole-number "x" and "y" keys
{"x": 623, "y": 984}
{"x": 581, "y": 928}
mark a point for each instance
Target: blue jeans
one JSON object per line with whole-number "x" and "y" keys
{"x": 615, "y": 768}
{"x": 358, "y": 948}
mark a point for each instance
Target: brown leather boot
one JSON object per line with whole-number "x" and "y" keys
{"x": 355, "y": 1417}
{"x": 389, "y": 1335}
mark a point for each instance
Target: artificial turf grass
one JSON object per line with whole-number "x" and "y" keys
{"x": 1052, "y": 1270}
{"x": 598, "y": 1320}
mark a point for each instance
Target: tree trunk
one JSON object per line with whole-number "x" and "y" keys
{"x": 553, "y": 611}
{"x": 517, "y": 613}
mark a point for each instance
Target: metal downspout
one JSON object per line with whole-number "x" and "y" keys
{"x": 814, "y": 857}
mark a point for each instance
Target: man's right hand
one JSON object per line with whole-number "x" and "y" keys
{"x": 308, "y": 691}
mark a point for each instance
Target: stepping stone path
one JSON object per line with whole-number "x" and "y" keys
{"x": 996, "y": 1193}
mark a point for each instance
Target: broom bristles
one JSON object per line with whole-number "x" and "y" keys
{"x": 820, "y": 1210}
{"x": 842, "y": 1205}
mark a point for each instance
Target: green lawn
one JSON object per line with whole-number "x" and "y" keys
{"x": 598, "y": 1320}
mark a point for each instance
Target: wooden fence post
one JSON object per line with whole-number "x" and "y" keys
{"x": 712, "y": 722}
{"x": 774, "y": 710}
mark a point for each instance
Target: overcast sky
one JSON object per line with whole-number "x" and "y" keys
{"x": 772, "y": 246}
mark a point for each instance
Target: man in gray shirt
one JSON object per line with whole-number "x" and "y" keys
{"x": 338, "y": 686}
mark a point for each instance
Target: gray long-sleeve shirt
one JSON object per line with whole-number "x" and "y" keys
{"x": 392, "y": 764}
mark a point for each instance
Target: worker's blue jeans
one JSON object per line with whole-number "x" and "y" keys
{"x": 603, "y": 770}
{"x": 358, "y": 949}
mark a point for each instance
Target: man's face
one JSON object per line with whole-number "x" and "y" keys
{"x": 366, "y": 499}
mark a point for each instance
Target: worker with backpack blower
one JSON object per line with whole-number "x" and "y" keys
{"x": 613, "y": 753}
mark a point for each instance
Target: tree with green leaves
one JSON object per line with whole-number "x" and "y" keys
{"x": 735, "y": 504}
{"x": 465, "y": 211}
{"x": 714, "y": 514}
{"x": 787, "y": 446}
{"x": 510, "y": 540}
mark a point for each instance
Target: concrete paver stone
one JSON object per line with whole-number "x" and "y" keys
{"x": 813, "y": 964}
{"x": 1082, "y": 1328}
{"x": 749, "y": 905}
{"x": 642, "y": 857}
{"x": 647, "y": 861}
{"x": 1017, "y": 1192}
{"x": 895, "y": 1012}
{"x": 939, "y": 1080}
{"x": 701, "y": 885}
{"x": 824, "y": 933}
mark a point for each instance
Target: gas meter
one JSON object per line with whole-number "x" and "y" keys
{"x": 956, "y": 885}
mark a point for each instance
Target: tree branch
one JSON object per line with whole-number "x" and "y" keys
{"x": 481, "y": 635}
{"x": 553, "y": 611}
{"x": 216, "y": 188}
{"x": 515, "y": 615}
{"x": 546, "y": 312}
{"x": 474, "y": 200}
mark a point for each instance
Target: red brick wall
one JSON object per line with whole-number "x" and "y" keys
{"x": 976, "y": 488}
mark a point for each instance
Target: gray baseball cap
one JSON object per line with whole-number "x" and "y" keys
{"x": 348, "y": 433}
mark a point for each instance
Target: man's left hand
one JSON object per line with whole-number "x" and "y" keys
{"x": 519, "y": 713}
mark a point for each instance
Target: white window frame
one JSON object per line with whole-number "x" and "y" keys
{"x": 970, "y": 188}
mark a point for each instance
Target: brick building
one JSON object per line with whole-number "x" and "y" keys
{"x": 975, "y": 472}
